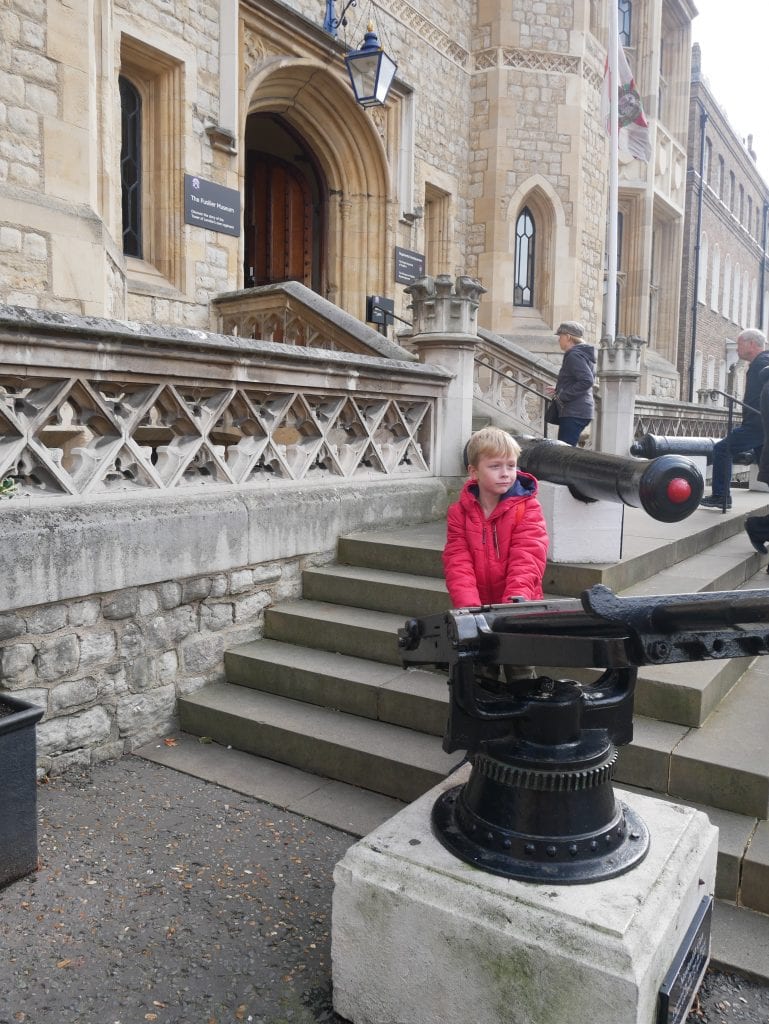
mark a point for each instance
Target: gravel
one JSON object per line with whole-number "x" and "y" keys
{"x": 160, "y": 897}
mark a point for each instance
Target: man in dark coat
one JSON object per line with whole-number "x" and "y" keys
{"x": 757, "y": 527}
{"x": 749, "y": 435}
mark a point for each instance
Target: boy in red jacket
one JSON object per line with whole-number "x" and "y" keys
{"x": 496, "y": 538}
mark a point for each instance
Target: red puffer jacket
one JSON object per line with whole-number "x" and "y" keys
{"x": 489, "y": 561}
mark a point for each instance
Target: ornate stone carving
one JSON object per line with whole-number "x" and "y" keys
{"x": 429, "y": 32}
{"x": 254, "y": 50}
{"x": 442, "y": 305}
{"x": 80, "y": 436}
{"x": 538, "y": 60}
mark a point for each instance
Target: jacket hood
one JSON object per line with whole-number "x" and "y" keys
{"x": 583, "y": 351}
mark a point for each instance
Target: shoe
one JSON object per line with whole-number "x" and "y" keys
{"x": 714, "y": 501}
{"x": 757, "y": 529}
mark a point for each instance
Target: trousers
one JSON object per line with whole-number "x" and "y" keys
{"x": 741, "y": 439}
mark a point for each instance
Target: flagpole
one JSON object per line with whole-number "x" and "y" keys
{"x": 611, "y": 244}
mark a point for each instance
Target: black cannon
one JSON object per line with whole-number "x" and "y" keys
{"x": 652, "y": 446}
{"x": 539, "y": 803}
{"x": 668, "y": 488}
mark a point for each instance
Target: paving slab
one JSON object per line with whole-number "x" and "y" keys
{"x": 740, "y": 941}
{"x": 754, "y": 889}
{"x": 344, "y": 807}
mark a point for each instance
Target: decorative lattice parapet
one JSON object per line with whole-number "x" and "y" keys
{"x": 668, "y": 418}
{"x": 445, "y": 306}
{"x": 93, "y": 406}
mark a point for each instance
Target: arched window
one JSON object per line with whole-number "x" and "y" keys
{"x": 708, "y": 161}
{"x": 726, "y": 302}
{"x": 131, "y": 166}
{"x": 716, "y": 278}
{"x": 624, "y": 21}
{"x": 710, "y": 372}
{"x": 736, "y": 294}
{"x": 702, "y": 270}
{"x": 525, "y": 236}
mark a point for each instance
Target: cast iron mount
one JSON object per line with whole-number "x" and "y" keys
{"x": 539, "y": 804}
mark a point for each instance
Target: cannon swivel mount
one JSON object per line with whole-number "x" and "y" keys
{"x": 539, "y": 804}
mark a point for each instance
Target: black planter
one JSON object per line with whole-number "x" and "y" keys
{"x": 18, "y": 792}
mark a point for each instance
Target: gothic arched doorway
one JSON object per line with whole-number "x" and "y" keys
{"x": 284, "y": 215}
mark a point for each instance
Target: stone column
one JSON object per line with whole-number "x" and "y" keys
{"x": 445, "y": 332}
{"x": 619, "y": 371}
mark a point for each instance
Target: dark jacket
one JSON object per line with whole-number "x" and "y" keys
{"x": 488, "y": 561}
{"x": 574, "y": 386}
{"x": 763, "y": 462}
{"x": 753, "y": 385}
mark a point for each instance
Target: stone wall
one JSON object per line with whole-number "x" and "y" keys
{"x": 111, "y": 609}
{"x": 108, "y": 668}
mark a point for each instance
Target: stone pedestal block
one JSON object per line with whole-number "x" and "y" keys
{"x": 583, "y": 532}
{"x": 419, "y": 936}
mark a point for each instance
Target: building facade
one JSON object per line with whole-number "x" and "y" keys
{"x": 489, "y": 158}
{"x": 724, "y": 287}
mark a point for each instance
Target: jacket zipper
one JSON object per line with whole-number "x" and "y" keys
{"x": 493, "y": 537}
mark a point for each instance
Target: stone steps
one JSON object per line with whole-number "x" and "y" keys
{"x": 324, "y": 690}
{"x": 393, "y": 760}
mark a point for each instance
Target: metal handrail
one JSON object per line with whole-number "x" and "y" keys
{"x": 501, "y": 373}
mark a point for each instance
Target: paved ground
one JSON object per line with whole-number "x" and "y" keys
{"x": 164, "y": 898}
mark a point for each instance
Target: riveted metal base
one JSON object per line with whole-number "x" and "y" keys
{"x": 564, "y": 860}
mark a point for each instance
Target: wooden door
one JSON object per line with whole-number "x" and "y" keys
{"x": 279, "y": 222}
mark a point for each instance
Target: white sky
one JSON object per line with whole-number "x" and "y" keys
{"x": 733, "y": 37}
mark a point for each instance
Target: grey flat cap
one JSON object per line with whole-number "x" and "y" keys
{"x": 572, "y": 327}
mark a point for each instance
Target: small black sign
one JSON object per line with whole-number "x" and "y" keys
{"x": 378, "y": 309}
{"x": 680, "y": 986}
{"x": 212, "y": 206}
{"x": 409, "y": 266}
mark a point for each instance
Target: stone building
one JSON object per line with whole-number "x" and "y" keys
{"x": 193, "y": 212}
{"x": 725, "y": 286}
{"x": 488, "y": 159}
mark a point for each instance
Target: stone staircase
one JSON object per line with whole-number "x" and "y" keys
{"x": 324, "y": 691}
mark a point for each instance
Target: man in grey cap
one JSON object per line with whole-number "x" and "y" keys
{"x": 573, "y": 391}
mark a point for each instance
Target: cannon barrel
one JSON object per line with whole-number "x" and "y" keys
{"x": 651, "y": 446}
{"x": 668, "y": 488}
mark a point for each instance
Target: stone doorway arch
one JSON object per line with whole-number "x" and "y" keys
{"x": 317, "y": 109}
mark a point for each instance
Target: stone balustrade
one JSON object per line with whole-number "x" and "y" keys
{"x": 92, "y": 407}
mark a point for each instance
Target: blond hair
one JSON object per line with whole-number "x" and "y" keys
{"x": 491, "y": 441}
